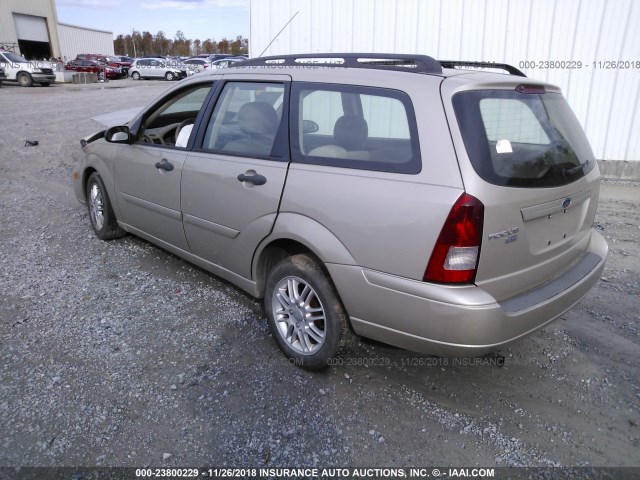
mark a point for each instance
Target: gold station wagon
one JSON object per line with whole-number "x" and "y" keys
{"x": 440, "y": 209}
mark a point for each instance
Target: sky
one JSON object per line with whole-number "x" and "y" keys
{"x": 200, "y": 19}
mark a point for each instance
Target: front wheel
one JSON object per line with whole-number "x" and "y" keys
{"x": 305, "y": 315}
{"x": 135, "y": 76}
{"x": 169, "y": 76}
{"x": 103, "y": 220}
{"x": 25, "y": 80}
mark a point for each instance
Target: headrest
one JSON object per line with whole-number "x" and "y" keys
{"x": 350, "y": 132}
{"x": 257, "y": 118}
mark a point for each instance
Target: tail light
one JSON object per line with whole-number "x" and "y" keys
{"x": 455, "y": 256}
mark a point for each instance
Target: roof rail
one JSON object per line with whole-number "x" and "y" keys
{"x": 502, "y": 66}
{"x": 382, "y": 61}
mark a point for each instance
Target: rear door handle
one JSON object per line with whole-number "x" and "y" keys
{"x": 165, "y": 165}
{"x": 255, "y": 179}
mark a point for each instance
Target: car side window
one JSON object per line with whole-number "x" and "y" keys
{"x": 247, "y": 120}
{"x": 171, "y": 123}
{"x": 354, "y": 126}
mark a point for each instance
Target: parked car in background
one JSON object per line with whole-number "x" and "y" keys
{"x": 442, "y": 210}
{"x": 112, "y": 61}
{"x": 157, "y": 68}
{"x": 196, "y": 65}
{"x": 212, "y": 56}
{"x": 3, "y": 76}
{"x": 27, "y": 72}
{"x": 219, "y": 56}
{"x": 123, "y": 62}
{"x": 228, "y": 62}
{"x": 92, "y": 66}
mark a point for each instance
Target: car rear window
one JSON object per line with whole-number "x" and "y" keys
{"x": 522, "y": 139}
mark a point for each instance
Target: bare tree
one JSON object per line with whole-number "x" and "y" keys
{"x": 224, "y": 46}
{"x": 147, "y": 43}
{"x": 196, "y": 47}
{"x": 138, "y": 44}
{"x": 209, "y": 46}
{"x": 119, "y": 46}
{"x": 162, "y": 44}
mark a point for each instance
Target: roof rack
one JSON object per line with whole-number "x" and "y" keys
{"x": 502, "y": 66}
{"x": 382, "y": 61}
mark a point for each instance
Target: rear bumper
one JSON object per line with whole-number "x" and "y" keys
{"x": 459, "y": 321}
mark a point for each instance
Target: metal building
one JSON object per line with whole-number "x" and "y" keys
{"x": 590, "y": 48}
{"x": 75, "y": 40}
{"x": 31, "y": 28}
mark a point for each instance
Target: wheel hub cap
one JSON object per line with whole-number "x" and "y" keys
{"x": 96, "y": 206}
{"x": 299, "y": 315}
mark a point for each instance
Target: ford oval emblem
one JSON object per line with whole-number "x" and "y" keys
{"x": 566, "y": 202}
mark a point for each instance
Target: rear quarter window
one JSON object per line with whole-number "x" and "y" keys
{"x": 522, "y": 139}
{"x": 354, "y": 126}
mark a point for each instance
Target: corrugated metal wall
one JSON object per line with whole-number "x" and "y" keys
{"x": 75, "y": 40}
{"x": 606, "y": 100}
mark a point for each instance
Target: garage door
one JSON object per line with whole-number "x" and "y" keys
{"x": 29, "y": 27}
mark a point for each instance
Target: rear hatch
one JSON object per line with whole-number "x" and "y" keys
{"x": 524, "y": 155}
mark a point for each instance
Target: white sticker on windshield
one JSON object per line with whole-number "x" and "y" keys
{"x": 503, "y": 146}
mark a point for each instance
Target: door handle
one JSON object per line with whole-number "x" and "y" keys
{"x": 255, "y": 179}
{"x": 164, "y": 165}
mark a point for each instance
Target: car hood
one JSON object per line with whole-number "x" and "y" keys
{"x": 119, "y": 117}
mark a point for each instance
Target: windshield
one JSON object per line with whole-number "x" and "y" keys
{"x": 14, "y": 57}
{"x": 522, "y": 139}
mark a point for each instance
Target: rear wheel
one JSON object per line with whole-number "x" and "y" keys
{"x": 169, "y": 76}
{"x": 305, "y": 315}
{"x": 103, "y": 220}
{"x": 135, "y": 76}
{"x": 100, "y": 75}
{"x": 25, "y": 80}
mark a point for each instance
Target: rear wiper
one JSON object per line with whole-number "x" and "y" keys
{"x": 576, "y": 169}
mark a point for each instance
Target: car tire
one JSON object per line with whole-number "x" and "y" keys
{"x": 25, "y": 80}
{"x": 135, "y": 76}
{"x": 101, "y": 215}
{"x": 169, "y": 76}
{"x": 297, "y": 288}
{"x": 101, "y": 76}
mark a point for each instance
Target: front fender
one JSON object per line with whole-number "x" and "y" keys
{"x": 99, "y": 158}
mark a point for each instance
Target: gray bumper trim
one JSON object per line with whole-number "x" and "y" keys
{"x": 553, "y": 288}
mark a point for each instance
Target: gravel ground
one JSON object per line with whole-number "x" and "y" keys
{"x": 120, "y": 354}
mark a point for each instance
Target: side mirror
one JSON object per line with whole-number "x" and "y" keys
{"x": 119, "y": 134}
